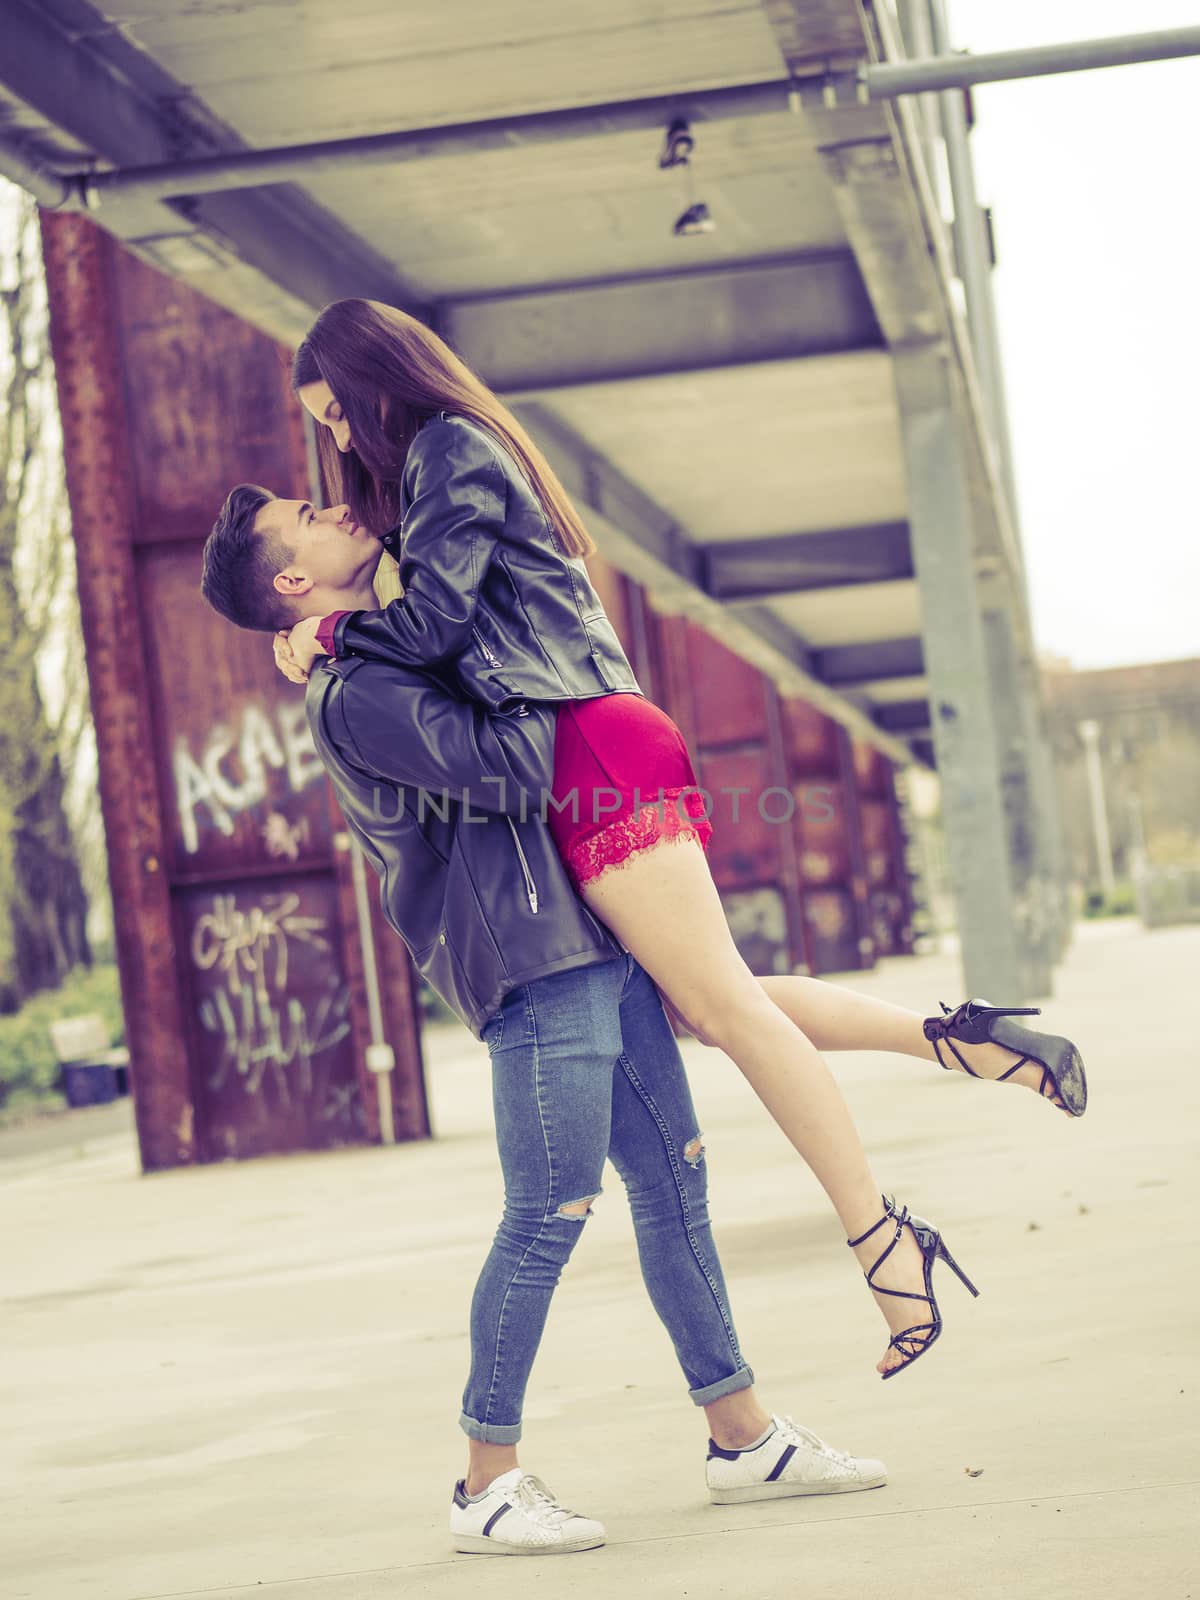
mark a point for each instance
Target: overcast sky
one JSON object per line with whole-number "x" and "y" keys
{"x": 1094, "y": 183}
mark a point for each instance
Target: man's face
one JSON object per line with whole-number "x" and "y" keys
{"x": 331, "y": 552}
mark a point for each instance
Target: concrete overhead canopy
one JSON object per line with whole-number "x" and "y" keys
{"x": 722, "y": 404}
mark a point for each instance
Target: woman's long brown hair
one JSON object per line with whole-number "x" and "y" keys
{"x": 389, "y": 372}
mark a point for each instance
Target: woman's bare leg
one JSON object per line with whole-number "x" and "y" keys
{"x": 839, "y": 1019}
{"x": 836, "y": 1019}
{"x": 663, "y": 905}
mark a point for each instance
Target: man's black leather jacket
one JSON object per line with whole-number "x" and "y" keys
{"x": 446, "y": 802}
{"x": 488, "y": 594}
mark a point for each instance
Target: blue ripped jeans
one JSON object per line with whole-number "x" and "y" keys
{"x": 585, "y": 1066}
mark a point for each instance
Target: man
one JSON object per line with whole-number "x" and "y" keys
{"x": 445, "y": 800}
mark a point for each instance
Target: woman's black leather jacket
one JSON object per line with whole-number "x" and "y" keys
{"x": 489, "y": 597}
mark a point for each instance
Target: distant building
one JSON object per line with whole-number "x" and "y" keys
{"x": 1141, "y": 787}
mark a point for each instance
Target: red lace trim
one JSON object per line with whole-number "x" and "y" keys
{"x": 613, "y": 844}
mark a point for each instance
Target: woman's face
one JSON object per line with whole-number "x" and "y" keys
{"x": 319, "y": 401}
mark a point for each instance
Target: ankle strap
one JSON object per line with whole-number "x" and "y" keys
{"x": 889, "y": 1210}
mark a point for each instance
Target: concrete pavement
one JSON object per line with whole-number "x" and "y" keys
{"x": 244, "y": 1380}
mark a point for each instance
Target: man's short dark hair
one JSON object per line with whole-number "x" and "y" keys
{"x": 240, "y": 564}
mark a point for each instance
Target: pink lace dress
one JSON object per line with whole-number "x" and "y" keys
{"x": 623, "y": 780}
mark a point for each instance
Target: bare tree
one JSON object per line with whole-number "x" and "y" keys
{"x": 43, "y": 903}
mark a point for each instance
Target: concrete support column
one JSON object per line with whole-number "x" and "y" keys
{"x": 1052, "y": 841}
{"x": 968, "y": 674}
{"x": 1015, "y": 735}
{"x": 1089, "y": 732}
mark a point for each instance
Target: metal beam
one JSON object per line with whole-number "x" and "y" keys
{"x": 545, "y": 339}
{"x": 642, "y": 540}
{"x": 904, "y": 716}
{"x": 924, "y": 752}
{"x": 745, "y": 569}
{"x": 852, "y": 666}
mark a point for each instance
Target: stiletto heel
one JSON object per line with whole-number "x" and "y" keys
{"x": 914, "y": 1341}
{"x": 957, "y": 1270}
{"x": 977, "y": 1022}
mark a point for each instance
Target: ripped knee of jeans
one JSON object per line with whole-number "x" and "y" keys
{"x": 693, "y": 1151}
{"x": 579, "y": 1210}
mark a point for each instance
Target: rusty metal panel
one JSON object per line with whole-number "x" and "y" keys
{"x": 273, "y": 1060}
{"x": 641, "y": 644}
{"x": 209, "y": 402}
{"x": 242, "y": 782}
{"x": 885, "y": 853}
{"x": 730, "y": 698}
{"x": 790, "y": 875}
{"x": 810, "y": 739}
{"x": 852, "y": 823}
{"x": 253, "y": 1019}
{"x": 744, "y": 849}
{"x": 824, "y": 846}
{"x": 834, "y": 888}
{"x": 876, "y": 830}
{"x": 832, "y": 929}
{"x": 675, "y": 688}
{"x": 872, "y": 769}
{"x": 889, "y": 889}
{"x": 729, "y": 716}
{"x": 612, "y": 587}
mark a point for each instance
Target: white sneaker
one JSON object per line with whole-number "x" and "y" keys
{"x": 518, "y": 1516}
{"x": 790, "y": 1460}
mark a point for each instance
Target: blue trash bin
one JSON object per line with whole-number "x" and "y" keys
{"x": 89, "y": 1083}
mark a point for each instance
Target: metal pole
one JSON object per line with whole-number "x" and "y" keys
{"x": 918, "y": 39}
{"x": 1089, "y": 732}
{"x": 248, "y": 169}
{"x": 51, "y": 190}
{"x": 381, "y": 1058}
{"x": 888, "y": 79}
{"x": 975, "y": 268}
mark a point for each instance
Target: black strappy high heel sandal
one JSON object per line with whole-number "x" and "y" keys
{"x": 976, "y": 1022}
{"x": 914, "y": 1341}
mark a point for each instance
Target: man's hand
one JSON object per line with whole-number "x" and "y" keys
{"x": 295, "y": 651}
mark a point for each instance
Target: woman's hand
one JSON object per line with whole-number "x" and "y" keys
{"x": 295, "y": 651}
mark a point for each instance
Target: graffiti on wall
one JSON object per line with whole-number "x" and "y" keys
{"x": 231, "y": 775}
{"x": 271, "y": 997}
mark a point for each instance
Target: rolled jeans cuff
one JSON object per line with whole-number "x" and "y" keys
{"x": 490, "y": 1432}
{"x": 743, "y": 1378}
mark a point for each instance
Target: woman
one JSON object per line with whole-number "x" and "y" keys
{"x": 496, "y": 594}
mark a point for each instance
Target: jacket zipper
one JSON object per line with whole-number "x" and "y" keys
{"x": 530, "y": 886}
{"x": 521, "y": 709}
{"x": 491, "y": 659}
